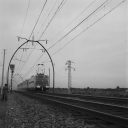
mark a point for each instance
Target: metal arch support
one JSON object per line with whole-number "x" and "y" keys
{"x": 47, "y": 53}
{"x": 12, "y": 58}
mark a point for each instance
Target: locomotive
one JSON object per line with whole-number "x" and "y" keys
{"x": 39, "y": 82}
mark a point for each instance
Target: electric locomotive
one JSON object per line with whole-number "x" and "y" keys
{"x": 39, "y": 82}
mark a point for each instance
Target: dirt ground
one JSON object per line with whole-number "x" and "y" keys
{"x": 3, "y": 108}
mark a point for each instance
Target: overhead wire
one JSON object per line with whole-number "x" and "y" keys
{"x": 20, "y": 60}
{"x": 25, "y": 16}
{"x": 33, "y": 67}
{"x": 47, "y": 17}
{"x": 66, "y": 26}
{"x": 76, "y": 18}
{"x": 59, "y": 7}
{"x": 38, "y": 19}
{"x": 52, "y": 18}
{"x": 70, "y": 31}
{"x": 24, "y": 21}
{"x": 30, "y": 35}
{"x": 34, "y": 29}
{"x": 88, "y": 27}
{"x": 75, "y": 27}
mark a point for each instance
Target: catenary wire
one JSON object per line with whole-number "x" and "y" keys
{"x": 25, "y": 16}
{"x": 49, "y": 24}
{"x": 34, "y": 29}
{"x": 72, "y": 20}
{"x": 49, "y": 48}
{"x": 66, "y": 26}
{"x": 86, "y": 29}
{"x": 38, "y": 19}
{"x": 52, "y": 19}
{"x": 85, "y": 9}
{"x": 70, "y": 31}
{"x": 47, "y": 17}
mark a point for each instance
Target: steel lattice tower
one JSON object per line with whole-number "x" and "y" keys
{"x": 69, "y": 68}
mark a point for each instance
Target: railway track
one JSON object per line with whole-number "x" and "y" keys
{"x": 102, "y": 99}
{"x": 108, "y": 112}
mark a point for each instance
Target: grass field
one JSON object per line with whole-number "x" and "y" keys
{"x": 117, "y": 92}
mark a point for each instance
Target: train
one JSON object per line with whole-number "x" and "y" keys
{"x": 39, "y": 82}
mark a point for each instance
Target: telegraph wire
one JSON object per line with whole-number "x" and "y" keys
{"x": 90, "y": 4}
{"x": 38, "y": 18}
{"x": 47, "y": 17}
{"x": 20, "y": 60}
{"x": 52, "y": 18}
{"x": 70, "y": 31}
{"x": 88, "y": 27}
{"x": 33, "y": 67}
{"x": 61, "y": 4}
{"x": 82, "y": 32}
{"x": 25, "y": 16}
{"x": 34, "y": 64}
{"x": 34, "y": 28}
{"x": 75, "y": 27}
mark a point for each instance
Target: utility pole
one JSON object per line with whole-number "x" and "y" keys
{"x": 3, "y": 72}
{"x": 69, "y": 68}
{"x": 12, "y": 67}
{"x": 49, "y": 77}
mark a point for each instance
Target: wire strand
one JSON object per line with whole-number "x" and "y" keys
{"x": 77, "y": 16}
{"x": 77, "y": 25}
{"x": 51, "y": 19}
{"x": 38, "y": 19}
{"x": 47, "y": 26}
{"x": 34, "y": 29}
{"x": 25, "y": 17}
{"x": 88, "y": 28}
{"x": 47, "y": 17}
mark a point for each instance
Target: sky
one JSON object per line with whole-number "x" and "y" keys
{"x": 99, "y": 53}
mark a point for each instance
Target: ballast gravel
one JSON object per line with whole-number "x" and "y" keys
{"x": 25, "y": 112}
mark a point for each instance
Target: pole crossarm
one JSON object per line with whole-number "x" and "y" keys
{"x": 30, "y": 40}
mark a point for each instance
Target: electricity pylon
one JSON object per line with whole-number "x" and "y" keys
{"x": 69, "y": 68}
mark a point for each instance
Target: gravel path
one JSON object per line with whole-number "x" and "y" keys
{"x": 23, "y": 112}
{"x": 3, "y": 105}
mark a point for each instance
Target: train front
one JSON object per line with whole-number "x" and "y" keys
{"x": 42, "y": 82}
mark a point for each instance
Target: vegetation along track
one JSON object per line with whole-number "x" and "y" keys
{"x": 108, "y": 112}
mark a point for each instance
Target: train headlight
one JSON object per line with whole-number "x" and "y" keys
{"x": 38, "y": 86}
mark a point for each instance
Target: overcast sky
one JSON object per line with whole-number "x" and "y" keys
{"x": 99, "y": 53}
